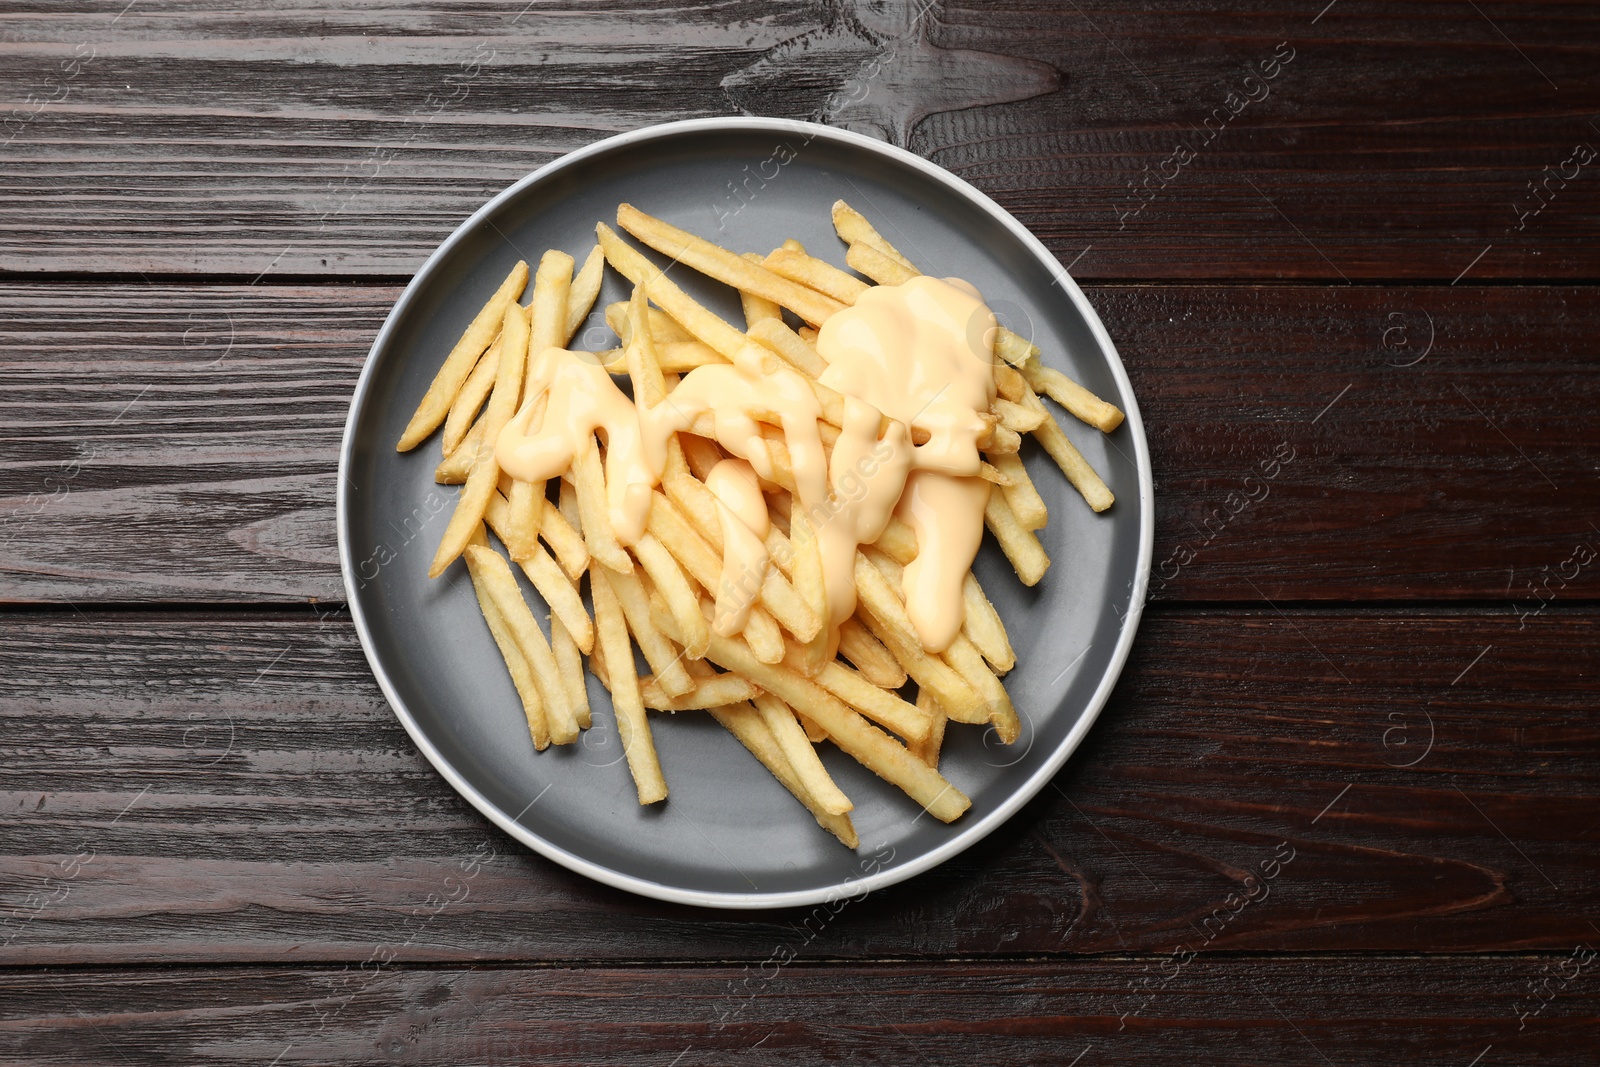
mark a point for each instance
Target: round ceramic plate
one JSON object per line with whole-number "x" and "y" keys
{"x": 730, "y": 836}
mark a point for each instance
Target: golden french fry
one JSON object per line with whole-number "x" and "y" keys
{"x": 552, "y": 286}
{"x": 886, "y": 617}
{"x": 590, "y": 478}
{"x": 1083, "y": 404}
{"x": 876, "y": 265}
{"x": 561, "y": 594}
{"x": 1017, "y": 418}
{"x": 632, "y": 726}
{"x": 1008, "y": 382}
{"x": 1021, "y": 494}
{"x": 463, "y": 357}
{"x": 674, "y": 588}
{"x": 983, "y": 627}
{"x": 791, "y": 737}
{"x": 816, "y": 274}
{"x": 814, "y": 733}
{"x": 485, "y": 473}
{"x": 712, "y": 692}
{"x": 853, "y": 228}
{"x": 565, "y": 542}
{"x": 649, "y": 386}
{"x": 744, "y": 723}
{"x": 1028, "y": 557}
{"x": 665, "y": 658}
{"x": 569, "y": 661}
{"x": 691, "y": 315}
{"x": 874, "y": 661}
{"x": 464, "y": 409}
{"x": 880, "y": 705}
{"x": 725, "y": 266}
{"x": 516, "y": 663}
{"x": 501, "y": 584}
{"x": 582, "y": 294}
{"x": 455, "y": 466}
{"x": 1070, "y": 460}
{"x": 868, "y": 745}
{"x": 968, "y": 662}
{"x": 928, "y": 749}
{"x": 663, "y": 327}
{"x": 757, "y": 308}
{"x": 796, "y": 351}
{"x": 805, "y": 554}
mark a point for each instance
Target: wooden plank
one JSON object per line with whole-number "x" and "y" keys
{"x": 180, "y": 443}
{"x": 1284, "y": 1010}
{"x": 230, "y": 139}
{"x": 232, "y": 787}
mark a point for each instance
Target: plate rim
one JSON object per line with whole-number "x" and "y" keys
{"x": 966, "y": 836}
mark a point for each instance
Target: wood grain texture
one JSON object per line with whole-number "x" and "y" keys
{"x": 179, "y": 443}
{"x": 1287, "y": 1010}
{"x": 232, "y": 787}
{"x": 223, "y": 138}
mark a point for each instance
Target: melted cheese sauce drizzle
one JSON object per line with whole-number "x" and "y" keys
{"x": 919, "y": 353}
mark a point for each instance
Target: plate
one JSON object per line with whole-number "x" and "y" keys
{"x": 730, "y": 836}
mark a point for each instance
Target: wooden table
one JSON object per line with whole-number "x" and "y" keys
{"x": 1363, "y": 238}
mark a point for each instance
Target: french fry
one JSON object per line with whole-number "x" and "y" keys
{"x": 797, "y": 352}
{"x": 485, "y": 473}
{"x": 590, "y": 478}
{"x": 565, "y": 542}
{"x": 876, "y": 265}
{"x": 703, "y": 564}
{"x": 744, "y": 723}
{"x": 968, "y": 662}
{"x": 1080, "y": 402}
{"x": 1008, "y": 383}
{"x": 561, "y": 594}
{"x": 712, "y": 692}
{"x": 725, "y": 266}
{"x": 501, "y": 584}
{"x": 691, "y": 315}
{"x": 816, "y": 274}
{"x": 665, "y": 659}
{"x": 1070, "y": 460}
{"x": 1021, "y": 493}
{"x": 874, "y": 661}
{"x": 1017, "y": 418}
{"x": 885, "y": 616}
{"x": 673, "y": 586}
{"x": 663, "y": 327}
{"x": 928, "y": 749}
{"x": 583, "y": 292}
{"x": 632, "y": 726}
{"x": 469, "y": 401}
{"x": 649, "y": 386}
{"x": 805, "y": 552}
{"x": 569, "y": 662}
{"x": 516, "y": 663}
{"x": 1022, "y": 548}
{"x": 814, "y": 733}
{"x": 983, "y": 627}
{"x": 868, "y": 745}
{"x": 791, "y": 737}
{"x": 435, "y": 405}
{"x": 455, "y": 466}
{"x": 853, "y": 228}
{"x": 757, "y": 308}
{"x": 552, "y": 288}
{"x": 880, "y": 705}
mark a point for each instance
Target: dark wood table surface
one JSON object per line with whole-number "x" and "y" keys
{"x": 1365, "y": 236}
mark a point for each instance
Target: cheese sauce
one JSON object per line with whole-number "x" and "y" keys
{"x": 919, "y": 354}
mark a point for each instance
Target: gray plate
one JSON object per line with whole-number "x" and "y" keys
{"x": 730, "y": 836}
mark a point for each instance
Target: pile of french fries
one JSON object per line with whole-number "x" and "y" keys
{"x": 772, "y": 685}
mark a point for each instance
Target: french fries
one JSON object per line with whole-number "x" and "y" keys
{"x": 788, "y": 681}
